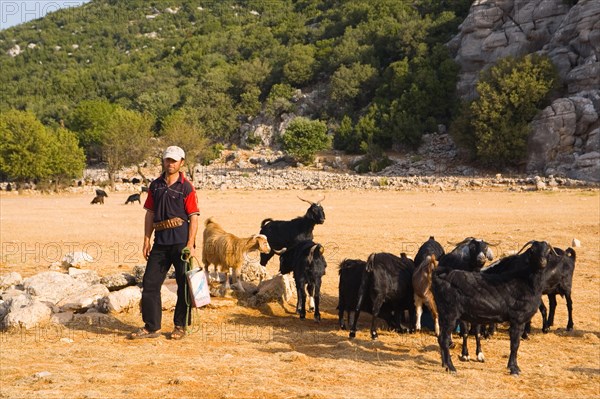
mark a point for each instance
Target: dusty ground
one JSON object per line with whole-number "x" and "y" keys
{"x": 243, "y": 352}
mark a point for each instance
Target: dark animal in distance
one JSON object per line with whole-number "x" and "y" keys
{"x": 512, "y": 296}
{"x": 287, "y": 233}
{"x": 98, "y": 199}
{"x": 387, "y": 279}
{"x": 101, "y": 193}
{"x": 307, "y": 263}
{"x": 351, "y": 273}
{"x": 132, "y": 198}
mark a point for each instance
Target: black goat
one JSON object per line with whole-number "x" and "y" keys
{"x": 470, "y": 254}
{"x": 132, "y": 198}
{"x": 101, "y": 193}
{"x": 305, "y": 260}
{"x": 512, "y": 296}
{"x": 98, "y": 199}
{"x": 287, "y": 233}
{"x": 351, "y": 273}
{"x": 557, "y": 279}
{"x": 387, "y": 279}
{"x": 428, "y": 248}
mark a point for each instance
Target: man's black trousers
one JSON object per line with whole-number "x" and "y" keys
{"x": 160, "y": 260}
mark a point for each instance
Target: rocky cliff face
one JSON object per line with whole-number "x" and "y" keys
{"x": 565, "y": 138}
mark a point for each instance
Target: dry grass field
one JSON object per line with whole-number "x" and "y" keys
{"x": 236, "y": 351}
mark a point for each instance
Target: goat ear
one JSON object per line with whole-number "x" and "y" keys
{"x": 489, "y": 254}
{"x": 570, "y": 252}
{"x": 464, "y": 251}
{"x": 311, "y": 254}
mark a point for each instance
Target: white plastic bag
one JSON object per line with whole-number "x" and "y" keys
{"x": 198, "y": 288}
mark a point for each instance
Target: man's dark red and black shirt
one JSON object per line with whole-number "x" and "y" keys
{"x": 166, "y": 202}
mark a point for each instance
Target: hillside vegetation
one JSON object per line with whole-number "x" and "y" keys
{"x": 382, "y": 64}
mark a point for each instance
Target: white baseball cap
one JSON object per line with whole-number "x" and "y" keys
{"x": 174, "y": 152}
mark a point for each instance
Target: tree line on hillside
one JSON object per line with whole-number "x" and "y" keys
{"x": 118, "y": 73}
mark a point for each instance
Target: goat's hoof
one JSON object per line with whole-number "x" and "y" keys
{"x": 525, "y": 336}
{"x": 302, "y": 316}
{"x": 545, "y": 330}
{"x": 352, "y": 334}
{"x": 463, "y": 358}
{"x": 569, "y": 328}
{"x": 480, "y": 357}
{"x": 374, "y": 336}
{"x": 318, "y": 318}
{"x": 451, "y": 370}
{"x": 342, "y": 327}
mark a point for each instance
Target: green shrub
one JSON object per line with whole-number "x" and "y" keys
{"x": 213, "y": 152}
{"x": 304, "y": 137}
{"x": 374, "y": 160}
{"x": 510, "y": 94}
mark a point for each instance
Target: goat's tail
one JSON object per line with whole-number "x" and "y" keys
{"x": 370, "y": 261}
{"x": 570, "y": 252}
{"x": 264, "y": 222}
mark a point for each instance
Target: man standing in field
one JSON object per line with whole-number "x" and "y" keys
{"x": 172, "y": 213}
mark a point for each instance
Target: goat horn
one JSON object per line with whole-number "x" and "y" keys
{"x": 462, "y": 242}
{"x": 552, "y": 249}
{"x": 280, "y": 251}
{"x": 524, "y": 246}
{"x": 495, "y": 244}
{"x": 311, "y": 254}
{"x": 302, "y": 199}
{"x": 321, "y": 200}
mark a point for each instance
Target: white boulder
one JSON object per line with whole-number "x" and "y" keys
{"x": 84, "y": 299}
{"x": 10, "y": 280}
{"x": 25, "y": 312}
{"x": 52, "y": 286}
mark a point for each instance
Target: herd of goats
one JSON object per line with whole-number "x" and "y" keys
{"x": 459, "y": 290}
{"x": 456, "y": 287}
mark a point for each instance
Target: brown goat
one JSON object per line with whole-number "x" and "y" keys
{"x": 421, "y": 280}
{"x": 226, "y": 250}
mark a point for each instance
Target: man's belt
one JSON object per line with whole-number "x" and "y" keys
{"x": 168, "y": 224}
